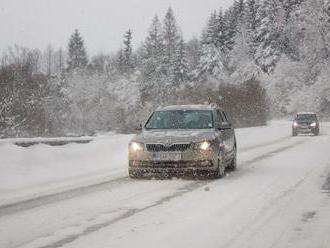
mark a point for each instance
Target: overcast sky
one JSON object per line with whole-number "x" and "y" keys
{"x": 102, "y": 23}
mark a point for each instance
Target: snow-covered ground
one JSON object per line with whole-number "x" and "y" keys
{"x": 43, "y": 168}
{"x": 278, "y": 198}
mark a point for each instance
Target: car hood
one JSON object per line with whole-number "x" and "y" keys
{"x": 174, "y": 136}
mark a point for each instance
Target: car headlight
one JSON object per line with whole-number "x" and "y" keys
{"x": 205, "y": 145}
{"x": 136, "y": 146}
{"x": 295, "y": 124}
{"x": 313, "y": 124}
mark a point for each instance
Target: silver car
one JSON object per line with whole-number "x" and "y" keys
{"x": 184, "y": 140}
{"x": 305, "y": 122}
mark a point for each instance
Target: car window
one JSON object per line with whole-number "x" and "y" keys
{"x": 306, "y": 117}
{"x": 224, "y": 116}
{"x": 219, "y": 116}
{"x": 181, "y": 119}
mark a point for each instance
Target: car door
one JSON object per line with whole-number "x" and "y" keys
{"x": 230, "y": 135}
{"x": 224, "y": 133}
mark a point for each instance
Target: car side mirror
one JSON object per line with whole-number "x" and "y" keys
{"x": 225, "y": 126}
{"x": 138, "y": 128}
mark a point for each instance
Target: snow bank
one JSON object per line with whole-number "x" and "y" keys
{"x": 21, "y": 167}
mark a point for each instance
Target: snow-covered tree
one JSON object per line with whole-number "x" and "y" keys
{"x": 215, "y": 47}
{"x": 210, "y": 33}
{"x": 193, "y": 53}
{"x": 268, "y": 36}
{"x": 251, "y": 23}
{"x": 171, "y": 39}
{"x": 181, "y": 70}
{"x": 289, "y": 6}
{"x": 152, "y": 58}
{"x": 128, "y": 60}
{"x": 77, "y": 56}
{"x": 212, "y": 63}
{"x": 239, "y": 8}
{"x": 154, "y": 41}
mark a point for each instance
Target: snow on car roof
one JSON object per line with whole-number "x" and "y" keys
{"x": 305, "y": 113}
{"x": 188, "y": 107}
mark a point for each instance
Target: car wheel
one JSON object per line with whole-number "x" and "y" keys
{"x": 294, "y": 132}
{"x": 220, "y": 170}
{"x": 233, "y": 163}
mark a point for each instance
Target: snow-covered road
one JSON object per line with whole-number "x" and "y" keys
{"x": 279, "y": 197}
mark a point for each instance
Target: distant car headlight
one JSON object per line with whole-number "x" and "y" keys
{"x": 136, "y": 146}
{"x": 313, "y": 124}
{"x": 205, "y": 145}
{"x": 295, "y": 124}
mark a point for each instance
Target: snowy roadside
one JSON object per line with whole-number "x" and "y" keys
{"x": 42, "y": 169}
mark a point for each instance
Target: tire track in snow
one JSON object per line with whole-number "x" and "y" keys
{"x": 133, "y": 211}
{"x": 272, "y": 142}
{"x": 273, "y": 152}
{"x": 128, "y": 213}
{"x": 16, "y": 207}
{"x": 12, "y": 208}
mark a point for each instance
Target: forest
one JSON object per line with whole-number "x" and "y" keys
{"x": 259, "y": 60}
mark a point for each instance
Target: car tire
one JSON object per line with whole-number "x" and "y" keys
{"x": 220, "y": 172}
{"x": 294, "y": 133}
{"x": 233, "y": 164}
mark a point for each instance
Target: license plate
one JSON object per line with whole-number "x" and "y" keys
{"x": 165, "y": 156}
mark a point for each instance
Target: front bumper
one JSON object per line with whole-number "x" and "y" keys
{"x": 172, "y": 168}
{"x": 305, "y": 129}
{"x": 177, "y": 163}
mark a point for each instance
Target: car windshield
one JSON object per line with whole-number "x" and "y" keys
{"x": 306, "y": 117}
{"x": 181, "y": 119}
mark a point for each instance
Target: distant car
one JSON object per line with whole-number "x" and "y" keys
{"x": 306, "y": 122}
{"x": 184, "y": 140}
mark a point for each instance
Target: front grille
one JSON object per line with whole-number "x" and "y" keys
{"x": 164, "y": 148}
{"x": 172, "y": 165}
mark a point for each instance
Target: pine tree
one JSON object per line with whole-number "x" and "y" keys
{"x": 128, "y": 63}
{"x": 171, "y": 40}
{"x": 230, "y": 20}
{"x": 180, "y": 63}
{"x": 251, "y": 23}
{"x": 193, "y": 53}
{"x": 268, "y": 36}
{"x": 211, "y": 64}
{"x": 239, "y": 8}
{"x": 251, "y": 14}
{"x": 77, "y": 57}
{"x": 215, "y": 47}
{"x": 153, "y": 43}
{"x": 120, "y": 61}
{"x": 152, "y": 55}
{"x": 151, "y": 62}
{"x": 210, "y": 33}
{"x": 289, "y": 6}
{"x": 221, "y": 37}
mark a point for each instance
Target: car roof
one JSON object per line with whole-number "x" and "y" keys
{"x": 189, "y": 107}
{"x": 305, "y": 113}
